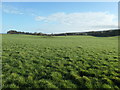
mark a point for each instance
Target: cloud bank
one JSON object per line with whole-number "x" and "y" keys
{"x": 79, "y": 21}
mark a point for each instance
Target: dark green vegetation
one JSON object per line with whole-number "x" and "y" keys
{"x": 105, "y": 33}
{"x": 60, "y": 62}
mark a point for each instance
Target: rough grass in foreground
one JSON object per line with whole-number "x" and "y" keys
{"x": 60, "y": 62}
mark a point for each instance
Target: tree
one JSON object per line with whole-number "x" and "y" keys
{"x": 12, "y": 32}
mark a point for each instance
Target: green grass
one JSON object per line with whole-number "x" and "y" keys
{"x": 60, "y": 62}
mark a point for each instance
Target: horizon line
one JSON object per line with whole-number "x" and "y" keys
{"x": 66, "y": 32}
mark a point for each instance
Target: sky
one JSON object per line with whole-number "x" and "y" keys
{"x": 59, "y": 17}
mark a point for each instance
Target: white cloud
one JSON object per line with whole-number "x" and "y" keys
{"x": 80, "y": 21}
{"x": 39, "y": 18}
{"x": 11, "y": 9}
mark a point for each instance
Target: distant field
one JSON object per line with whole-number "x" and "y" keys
{"x": 60, "y": 62}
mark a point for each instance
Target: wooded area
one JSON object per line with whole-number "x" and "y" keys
{"x": 105, "y": 33}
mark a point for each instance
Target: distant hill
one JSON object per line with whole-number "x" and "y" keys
{"x": 105, "y": 33}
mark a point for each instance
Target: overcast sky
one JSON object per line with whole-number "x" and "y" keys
{"x": 57, "y": 17}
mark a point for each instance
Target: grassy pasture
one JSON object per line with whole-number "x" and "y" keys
{"x": 60, "y": 62}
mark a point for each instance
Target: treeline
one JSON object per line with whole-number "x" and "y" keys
{"x": 27, "y": 33}
{"x": 105, "y": 33}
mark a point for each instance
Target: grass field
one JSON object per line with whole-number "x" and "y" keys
{"x": 60, "y": 62}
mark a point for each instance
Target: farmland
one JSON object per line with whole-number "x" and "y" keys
{"x": 60, "y": 62}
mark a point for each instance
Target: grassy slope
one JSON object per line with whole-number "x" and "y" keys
{"x": 60, "y": 62}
